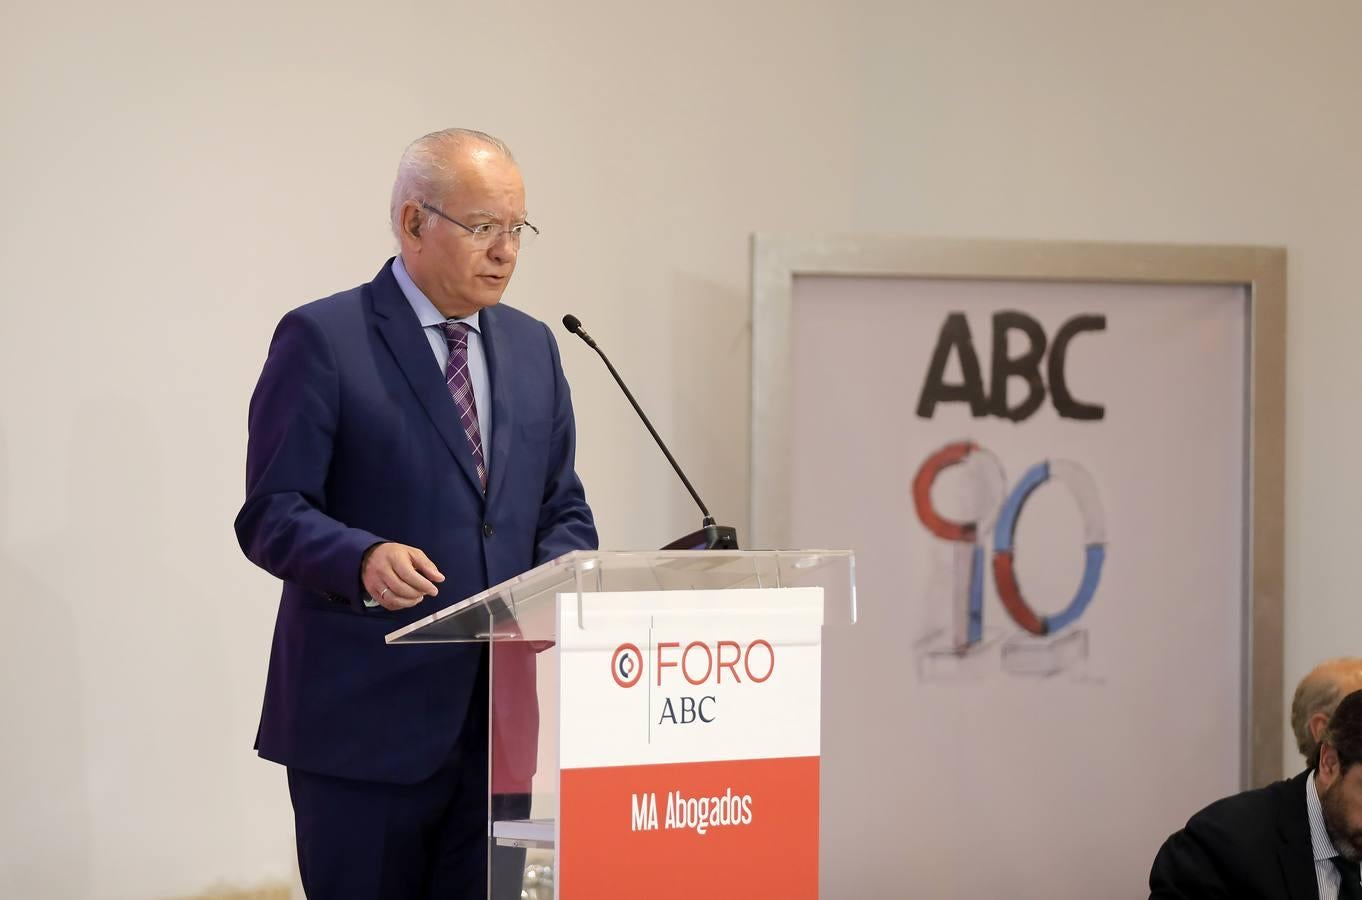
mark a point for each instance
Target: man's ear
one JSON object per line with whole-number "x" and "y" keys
{"x": 411, "y": 220}
{"x": 1328, "y": 764}
{"x": 1318, "y": 722}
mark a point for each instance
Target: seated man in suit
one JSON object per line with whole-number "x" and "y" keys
{"x": 1316, "y": 698}
{"x": 411, "y": 443}
{"x": 1299, "y": 839}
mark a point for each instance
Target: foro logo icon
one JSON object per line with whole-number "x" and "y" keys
{"x": 626, "y": 666}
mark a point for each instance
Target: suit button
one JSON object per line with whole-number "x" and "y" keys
{"x": 487, "y": 529}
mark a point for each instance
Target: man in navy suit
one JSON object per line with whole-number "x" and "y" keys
{"x": 411, "y": 443}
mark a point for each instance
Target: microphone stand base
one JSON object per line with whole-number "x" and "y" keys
{"x": 711, "y": 537}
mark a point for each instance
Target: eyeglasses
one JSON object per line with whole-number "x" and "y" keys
{"x": 489, "y": 233}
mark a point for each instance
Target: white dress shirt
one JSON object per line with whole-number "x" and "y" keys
{"x": 1326, "y": 875}
{"x": 433, "y": 324}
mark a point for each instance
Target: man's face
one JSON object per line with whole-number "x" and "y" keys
{"x": 446, "y": 262}
{"x": 1340, "y": 796}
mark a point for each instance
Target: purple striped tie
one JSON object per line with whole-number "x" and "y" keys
{"x": 461, "y": 389}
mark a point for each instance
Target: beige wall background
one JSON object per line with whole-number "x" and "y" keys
{"x": 174, "y": 177}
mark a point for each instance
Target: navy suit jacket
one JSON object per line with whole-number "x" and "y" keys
{"x": 1252, "y": 846}
{"x": 355, "y": 440}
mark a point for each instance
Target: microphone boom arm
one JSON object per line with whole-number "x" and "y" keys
{"x": 710, "y": 536}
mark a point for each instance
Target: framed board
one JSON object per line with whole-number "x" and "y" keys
{"x": 1060, "y": 466}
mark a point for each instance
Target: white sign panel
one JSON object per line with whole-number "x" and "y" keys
{"x": 690, "y": 676}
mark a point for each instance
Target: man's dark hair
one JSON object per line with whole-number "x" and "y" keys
{"x": 1344, "y": 732}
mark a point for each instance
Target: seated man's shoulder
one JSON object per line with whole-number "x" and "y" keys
{"x": 1249, "y": 811}
{"x": 1227, "y": 849}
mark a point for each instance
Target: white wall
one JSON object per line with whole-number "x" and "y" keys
{"x": 175, "y": 178}
{"x": 1212, "y": 122}
{"x": 174, "y": 181}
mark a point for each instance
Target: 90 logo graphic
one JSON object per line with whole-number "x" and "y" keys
{"x": 999, "y": 512}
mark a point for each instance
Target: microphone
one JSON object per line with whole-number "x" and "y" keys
{"x": 710, "y": 536}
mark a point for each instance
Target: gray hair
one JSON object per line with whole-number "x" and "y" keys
{"x": 1320, "y": 692}
{"x": 424, "y": 173}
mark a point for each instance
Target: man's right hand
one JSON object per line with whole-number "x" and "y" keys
{"x": 398, "y": 576}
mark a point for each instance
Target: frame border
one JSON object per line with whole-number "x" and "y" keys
{"x": 1261, "y": 271}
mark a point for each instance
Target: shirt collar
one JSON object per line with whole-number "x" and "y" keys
{"x": 425, "y": 311}
{"x": 1319, "y": 835}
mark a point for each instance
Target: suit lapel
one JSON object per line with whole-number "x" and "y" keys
{"x": 500, "y": 365}
{"x": 1296, "y": 853}
{"x": 401, "y": 331}
{"x": 1300, "y": 880}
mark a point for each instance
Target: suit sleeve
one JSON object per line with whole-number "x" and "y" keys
{"x": 565, "y": 521}
{"x": 1191, "y": 864}
{"x": 283, "y": 526}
